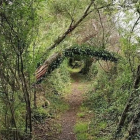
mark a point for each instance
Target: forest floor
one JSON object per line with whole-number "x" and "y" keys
{"x": 62, "y": 126}
{"x": 69, "y": 118}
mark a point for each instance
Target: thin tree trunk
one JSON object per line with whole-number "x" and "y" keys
{"x": 35, "y": 104}
{"x": 27, "y": 98}
{"x": 88, "y": 63}
{"x": 129, "y": 103}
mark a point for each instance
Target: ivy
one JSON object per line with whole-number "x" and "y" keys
{"x": 55, "y": 64}
{"x": 99, "y": 54}
{"x": 71, "y": 52}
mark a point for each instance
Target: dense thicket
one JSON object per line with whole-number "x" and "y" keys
{"x": 18, "y": 20}
{"x": 31, "y": 31}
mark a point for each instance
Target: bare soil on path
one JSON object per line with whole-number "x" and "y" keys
{"x": 75, "y": 99}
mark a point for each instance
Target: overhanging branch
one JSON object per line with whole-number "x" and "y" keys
{"x": 71, "y": 28}
{"x": 57, "y": 58}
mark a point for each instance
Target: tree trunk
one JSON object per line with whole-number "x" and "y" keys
{"x": 129, "y": 103}
{"x": 27, "y": 98}
{"x": 88, "y": 63}
{"x": 35, "y": 104}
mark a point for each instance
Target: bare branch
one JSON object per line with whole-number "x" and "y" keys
{"x": 71, "y": 28}
{"x": 132, "y": 30}
{"x": 129, "y": 40}
{"x": 110, "y": 4}
{"x": 103, "y": 38}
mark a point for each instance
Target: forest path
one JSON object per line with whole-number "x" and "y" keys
{"x": 74, "y": 100}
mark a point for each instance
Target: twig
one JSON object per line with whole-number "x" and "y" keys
{"x": 103, "y": 37}
{"x": 102, "y": 66}
{"x": 104, "y": 6}
{"x": 132, "y": 30}
{"x": 70, "y": 28}
{"x": 129, "y": 39}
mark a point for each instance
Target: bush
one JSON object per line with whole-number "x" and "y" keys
{"x": 39, "y": 115}
{"x": 108, "y": 99}
{"x": 60, "y": 78}
{"x": 81, "y": 130}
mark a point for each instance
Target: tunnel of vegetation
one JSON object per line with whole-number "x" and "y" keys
{"x": 56, "y": 59}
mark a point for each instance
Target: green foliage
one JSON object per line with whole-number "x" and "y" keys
{"x": 99, "y": 54}
{"x": 81, "y": 114}
{"x": 16, "y": 105}
{"x": 57, "y": 105}
{"x": 107, "y": 99}
{"x": 55, "y": 64}
{"x": 81, "y": 131}
{"x": 18, "y": 21}
{"x": 92, "y": 72}
{"x": 19, "y": 28}
{"x": 56, "y": 16}
{"x": 65, "y": 8}
{"x": 76, "y": 51}
{"x": 39, "y": 115}
{"x": 60, "y": 78}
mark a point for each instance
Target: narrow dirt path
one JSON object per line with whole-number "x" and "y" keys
{"x": 74, "y": 100}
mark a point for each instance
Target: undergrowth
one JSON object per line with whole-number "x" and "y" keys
{"x": 107, "y": 98}
{"x": 80, "y": 130}
{"x": 48, "y": 111}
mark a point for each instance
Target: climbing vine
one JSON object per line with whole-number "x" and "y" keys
{"x": 99, "y": 54}
{"x": 48, "y": 66}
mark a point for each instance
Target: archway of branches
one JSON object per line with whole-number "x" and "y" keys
{"x": 55, "y": 60}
